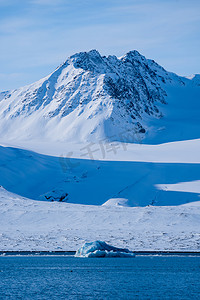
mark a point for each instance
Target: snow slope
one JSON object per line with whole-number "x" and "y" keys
{"x": 87, "y": 181}
{"x": 174, "y": 152}
{"x": 34, "y": 225}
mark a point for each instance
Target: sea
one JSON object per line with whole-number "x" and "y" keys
{"x": 65, "y": 277}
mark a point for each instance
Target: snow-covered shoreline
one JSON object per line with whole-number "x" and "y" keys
{"x": 35, "y": 225}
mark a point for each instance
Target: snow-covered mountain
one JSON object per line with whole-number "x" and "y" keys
{"x": 92, "y": 97}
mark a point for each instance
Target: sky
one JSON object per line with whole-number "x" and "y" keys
{"x": 38, "y": 35}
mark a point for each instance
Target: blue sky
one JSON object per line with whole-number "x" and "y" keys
{"x": 37, "y": 35}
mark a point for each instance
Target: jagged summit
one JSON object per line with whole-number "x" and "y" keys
{"x": 91, "y": 60}
{"x": 91, "y": 97}
{"x": 133, "y": 55}
{"x": 90, "y": 54}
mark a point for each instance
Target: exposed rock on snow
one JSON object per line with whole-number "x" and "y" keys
{"x": 55, "y": 195}
{"x": 101, "y": 249}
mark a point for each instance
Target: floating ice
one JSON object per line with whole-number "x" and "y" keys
{"x": 101, "y": 249}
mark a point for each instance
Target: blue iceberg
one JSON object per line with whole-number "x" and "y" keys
{"x": 102, "y": 249}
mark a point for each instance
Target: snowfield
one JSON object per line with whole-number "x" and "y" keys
{"x": 35, "y": 225}
{"x": 173, "y": 152}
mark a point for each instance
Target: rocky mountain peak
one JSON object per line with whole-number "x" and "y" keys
{"x": 133, "y": 55}
{"x": 90, "y": 60}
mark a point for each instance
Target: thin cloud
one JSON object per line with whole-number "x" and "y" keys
{"x": 47, "y": 2}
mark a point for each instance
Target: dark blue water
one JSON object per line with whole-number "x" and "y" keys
{"x": 111, "y": 278}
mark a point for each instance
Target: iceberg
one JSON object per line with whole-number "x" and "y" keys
{"x": 102, "y": 249}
